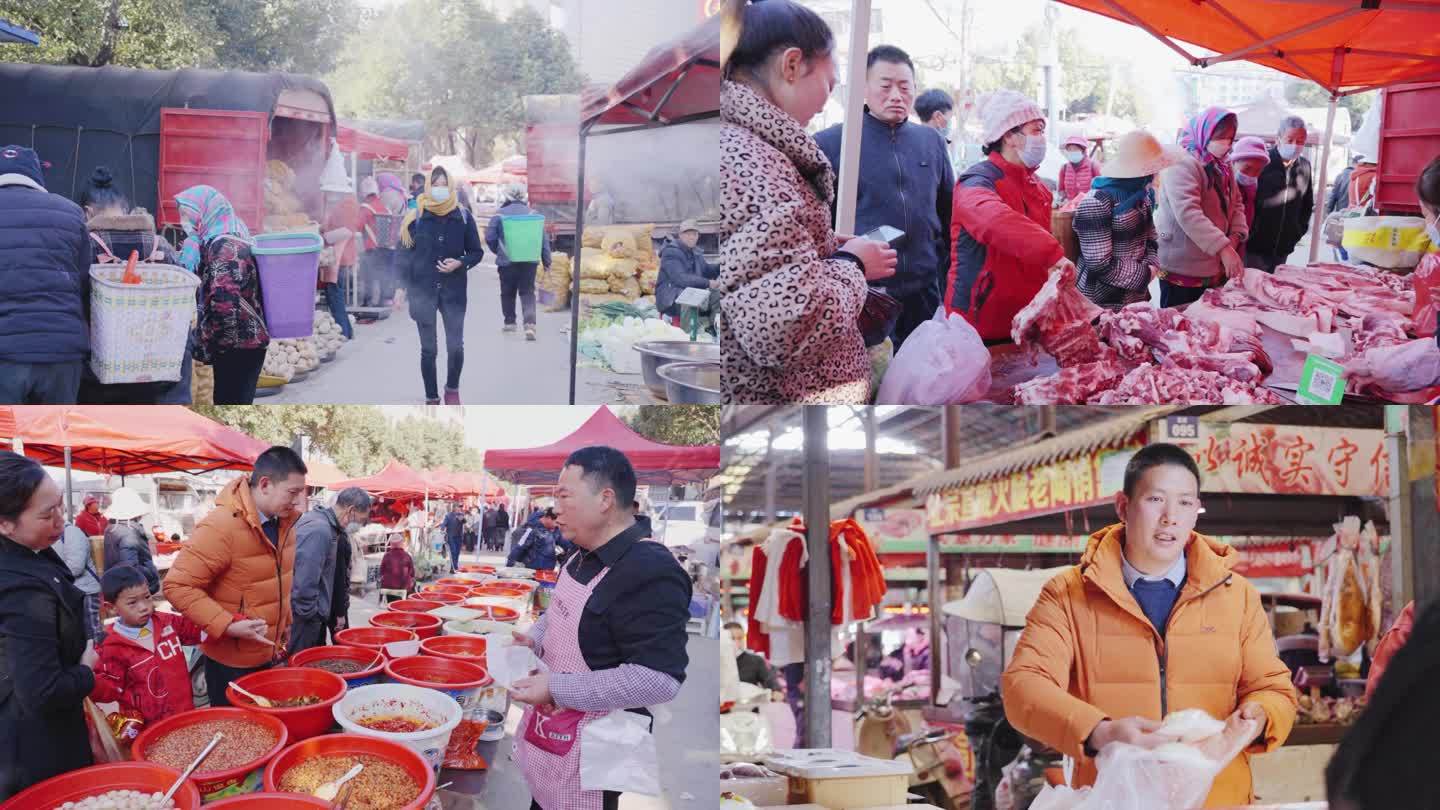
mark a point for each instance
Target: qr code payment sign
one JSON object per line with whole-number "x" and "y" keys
{"x": 1322, "y": 382}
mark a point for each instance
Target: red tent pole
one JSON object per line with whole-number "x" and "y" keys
{"x": 1150, "y": 29}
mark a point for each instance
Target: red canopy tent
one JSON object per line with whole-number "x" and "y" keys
{"x": 321, "y": 474}
{"x": 369, "y": 146}
{"x": 396, "y": 481}
{"x": 655, "y": 463}
{"x": 675, "y": 83}
{"x": 1345, "y": 46}
{"x": 128, "y": 439}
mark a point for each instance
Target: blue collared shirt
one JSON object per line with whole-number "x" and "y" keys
{"x": 1176, "y": 574}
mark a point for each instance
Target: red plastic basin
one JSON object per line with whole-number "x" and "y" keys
{"x": 356, "y": 745}
{"x": 477, "y": 569}
{"x": 146, "y": 777}
{"x": 461, "y": 680}
{"x": 496, "y": 589}
{"x": 373, "y": 638}
{"x": 444, "y": 598}
{"x": 422, "y": 624}
{"x": 212, "y": 785}
{"x": 269, "y": 801}
{"x": 372, "y": 660}
{"x": 413, "y": 605}
{"x": 470, "y": 649}
{"x": 546, "y": 576}
{"x": 456, "y": 590}
{"x": 280, "y": 683}
{"x": 496, "y": 613}
{"x": 455, "y": 582}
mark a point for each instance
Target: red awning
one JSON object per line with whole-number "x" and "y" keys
{"x": 1340, "y": 45}
{"x": 676, "y": 80}
{"x": 654, "y": 463}
{"x": 128, "y": 439}
{"x": 465, "y": 483}
{"x": 369, "y": 146}
{"x": 398, "y": 481}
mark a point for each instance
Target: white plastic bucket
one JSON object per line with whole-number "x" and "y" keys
{"x": 387, "y": 698}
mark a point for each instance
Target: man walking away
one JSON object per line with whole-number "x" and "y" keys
{"x": 502, "y": 527}
{"x": 487, "y": 528}
{"x": 516, "y": 278}
{"x": 454, "y": 535}
{"x": 538, "y": 544}
{"x": 234, "y": 577}
{"x": 906, "y": 182}
{"x": 1284, "y": 200}
{"x": 319, "y": 535}
{"x": 45, "y": 278}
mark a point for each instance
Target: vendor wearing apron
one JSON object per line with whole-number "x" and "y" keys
{"x": 612, "y": 643}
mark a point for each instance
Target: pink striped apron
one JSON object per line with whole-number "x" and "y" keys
{"x": 555, "y": 779}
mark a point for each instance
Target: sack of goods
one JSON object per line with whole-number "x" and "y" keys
{"x": 555, "y": 283}
{"x": 1395, "y": 243}
{"x": 648, "y": 280}
{"x": 283, "y": 209}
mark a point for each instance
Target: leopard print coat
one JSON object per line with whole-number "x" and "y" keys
{"x": 790, "y": 331}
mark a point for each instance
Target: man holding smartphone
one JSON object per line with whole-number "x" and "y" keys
{"x": 906, "y": 183}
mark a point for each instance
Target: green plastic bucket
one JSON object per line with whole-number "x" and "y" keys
{"x": 522, "y": 236}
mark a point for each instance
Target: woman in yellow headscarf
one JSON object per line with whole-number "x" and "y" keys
{"x": 440, "y": 242}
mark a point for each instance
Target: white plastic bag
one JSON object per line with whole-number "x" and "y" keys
{"x": 943, "y": 362}
{"x": 745, "y": 735}
{"x": 1176, "y": 776}
{"x": 509, "y": 663}
{"x": 617, "y": 752}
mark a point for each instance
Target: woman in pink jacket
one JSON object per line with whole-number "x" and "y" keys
{"x": 1202, "y": 214}
{"x": 1079, "y": 171}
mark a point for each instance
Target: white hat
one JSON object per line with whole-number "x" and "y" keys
{"x": 1140, "y": 155}
{"x": 125, "y": 504}
{"x": 1004, "y": 110}
{"x": 334, "y": 180}
{"x": 368, "y": 186}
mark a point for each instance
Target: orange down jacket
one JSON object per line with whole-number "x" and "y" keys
{"x": 1088, "y": 653}
{"x": 230, "y": 568}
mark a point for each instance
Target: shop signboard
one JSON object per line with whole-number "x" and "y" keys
{"x": 1291, "y": 557}
{"x": 1013, "y": 543}
{"x": 1286, "y": 460}
{"x": 1077, "y": 482}
{"x": 1180, "y": 429}
{"x": 895, "y": 531}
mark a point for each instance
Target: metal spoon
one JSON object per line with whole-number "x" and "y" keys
{"x": 331, "y": 789}
{"x": 262, "y": 702}
{"x": 169, "y": 794}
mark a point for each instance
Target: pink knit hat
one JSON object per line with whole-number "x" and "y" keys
{"x": 1004, "y": 110}
{"x": 1250, "y": 148}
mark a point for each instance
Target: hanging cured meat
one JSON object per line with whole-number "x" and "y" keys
{"x": 1350, "y": 603}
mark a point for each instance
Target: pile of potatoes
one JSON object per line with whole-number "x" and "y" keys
{"x": 327, "y": 337}
{"x": 286, "y": 358}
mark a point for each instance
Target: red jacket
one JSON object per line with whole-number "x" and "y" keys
{"x": 397, "y": 570}
{"x": 1003, "y": 248}
{"x": 92, "y": 525}
{"x": 155, "y": 684}
{"x": 1390, "y": 643}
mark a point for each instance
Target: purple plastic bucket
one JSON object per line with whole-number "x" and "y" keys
{"x": 289, "y": 265}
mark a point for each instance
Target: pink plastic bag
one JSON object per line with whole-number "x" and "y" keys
{"x": 943, "y": 362}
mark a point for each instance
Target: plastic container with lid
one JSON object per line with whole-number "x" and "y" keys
{"x": 832, "y": 777}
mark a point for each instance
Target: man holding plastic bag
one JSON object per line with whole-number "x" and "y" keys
{"x": 611, "y": 643}
{"x": 1150, "y": 623}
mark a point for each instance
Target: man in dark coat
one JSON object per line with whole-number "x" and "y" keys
{"x": 1284, "y": 200}
{"x": 45, "y": 668}
{"x": 906, "y": 182}
{"x": 454, "y": 525}
{"x": 516, "y": 278}
{"x": 753, "y": 668}
{"x": 682, "y": 267}
{"x": 44, "y": 287}
{"x": 319, "y": 535}
{"x": 502, "y": 527}
{"x": 536, "y": 546}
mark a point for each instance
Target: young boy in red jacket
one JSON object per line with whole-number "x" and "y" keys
{"x": 142, "y": 665}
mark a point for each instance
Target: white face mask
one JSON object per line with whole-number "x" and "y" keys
{"x": 1219, "y": 149}
{"x": 1288, "y": 151}
{"x": 440, "y": 193}
{"x": 1246, "y": 180}
{"x": 1432, "y": 230}
{"x": 1074, "y": 155}
{"x": 1034, "y": 152}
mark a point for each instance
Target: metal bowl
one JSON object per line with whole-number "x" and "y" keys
{"x": 657, "y": 353}
{"x": 692, "y": 383}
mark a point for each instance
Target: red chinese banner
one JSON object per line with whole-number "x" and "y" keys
{"x": 1294, "y": 558}
{"x": 1067, "y": 484}
{"x": 1285, "y": 460}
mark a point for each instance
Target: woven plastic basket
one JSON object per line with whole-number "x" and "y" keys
{"x": 138, "y": 331}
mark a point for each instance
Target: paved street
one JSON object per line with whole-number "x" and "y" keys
{"x": 382, "y": 365}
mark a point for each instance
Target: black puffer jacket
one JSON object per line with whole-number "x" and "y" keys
{"x": 42, "y": 683}
{"x": 44, "y": 278}
{"x": 1284, "y": 201}
{"x": 126, "y": 544}
{"x": 681, "y": 268}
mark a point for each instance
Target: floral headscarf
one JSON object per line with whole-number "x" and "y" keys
{"x": 390, "y": 180}
{"x": 1197, "y": 134}
{"x": 206, "y": 215}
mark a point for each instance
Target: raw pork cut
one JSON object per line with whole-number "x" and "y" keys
{"x": 1172, "y": 385}
{"x": 1142, "y": 333}
{"x": 1058, "y": 319}
{"x": 1073, "y": 385}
